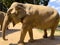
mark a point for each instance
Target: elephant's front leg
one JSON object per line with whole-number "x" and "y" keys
{"x": 23, "y": 34}
{"x": 4, "y": 26}
{"x": 31, "y": 35}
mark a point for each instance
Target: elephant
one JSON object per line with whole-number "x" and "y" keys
{"x": 32, "y": 16}
{"x": 2, "y": 15}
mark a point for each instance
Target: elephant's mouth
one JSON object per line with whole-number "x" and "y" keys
{"x": 17, "y": 19}
{"x": 22, "y": 19}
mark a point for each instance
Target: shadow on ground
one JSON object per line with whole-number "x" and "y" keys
{"x": 9, "y": 31}
{"x": 46, "y": 41}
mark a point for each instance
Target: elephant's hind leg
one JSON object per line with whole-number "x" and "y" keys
{"x": 23, "y": 34}
{"x": 45, "y": 33}
{"x": 52, "y": 33}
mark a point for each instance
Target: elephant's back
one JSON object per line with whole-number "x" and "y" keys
{"x": 43, "y": 21}
{"x": 40, "y": 10}
{"x": 43, "y": 11}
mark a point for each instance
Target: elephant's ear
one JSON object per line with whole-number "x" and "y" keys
{"x": 21, "y": 11}
{"x": 23, "y": 8}
{"x": 9, "y": 11}
{"x": 20, "y": 7}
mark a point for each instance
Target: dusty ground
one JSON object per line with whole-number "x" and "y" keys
{"x": 13, "y": 35}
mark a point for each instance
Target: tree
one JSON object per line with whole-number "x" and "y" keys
{"x": 44, "y": 2}
{"x": 2, "y": 7}
{"x": 7, "y": 3}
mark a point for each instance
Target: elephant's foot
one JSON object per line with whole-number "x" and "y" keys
{"x": 7, "y": 28}
{"x": 31, "y": 40}
{"x": 21, "y": 44}
{"x": 45, "y": 36}
{"x": 52, "y": 37}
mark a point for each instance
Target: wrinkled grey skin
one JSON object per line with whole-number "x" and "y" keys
{"x": 32, "y": 16}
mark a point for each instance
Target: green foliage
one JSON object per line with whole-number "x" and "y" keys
{"x": 9, "y": 2}
{"x": 44, "y": 2}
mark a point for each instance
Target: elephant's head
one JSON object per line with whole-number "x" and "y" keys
{"x": 16, "y": 13}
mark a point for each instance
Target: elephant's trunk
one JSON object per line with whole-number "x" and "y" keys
{"x": 4, "y": 27}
